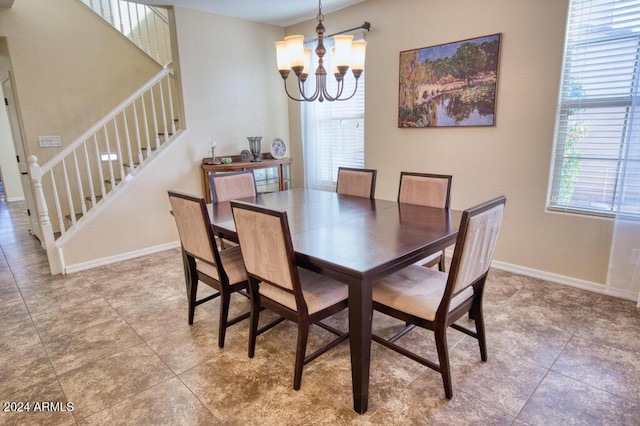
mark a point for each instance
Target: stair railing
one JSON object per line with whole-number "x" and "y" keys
{"x": 146, "y": 26}
{"x": 70, "y": 185}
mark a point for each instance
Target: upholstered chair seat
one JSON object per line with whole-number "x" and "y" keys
{"x": 318, "y": 291}
{"x": 417, "y": 291}
{"x": 231, "y": 258}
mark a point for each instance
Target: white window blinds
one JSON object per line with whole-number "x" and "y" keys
{"x": 332, "y": 132}
{"x": 598, "y": 95}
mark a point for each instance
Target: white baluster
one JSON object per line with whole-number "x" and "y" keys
{"x": 67, "y": 187}
{"x": 119, "y": 148}
{"x": 56, "y": 203}
{"x": 119, "y": 4}
{"x": 103, "y": 190}
{"x": 83, "y": 206}
{"x": 92, "y": 192}
{"x": 155, "y": 118}
{"x": 110, "y": 161}
{"x": 146, "y": 124}
{"x": 130, "y": 35}
{"x": 166, "y": 42}
{"x": 137, "y": 128}
{"x": 126, "y": 135}
{"x": 140, "y": 43}
{"x": 155, "y": 32}
{"x": 164, "y": 112}
{"x": 171, "y": 116}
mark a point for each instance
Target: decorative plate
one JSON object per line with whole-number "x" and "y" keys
{"x": 245, "y": 155}
{"x": 278, "y": 148}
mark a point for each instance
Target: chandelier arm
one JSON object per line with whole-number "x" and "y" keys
{"x": 330, "y": 98}
{"x": 286, "y": 89}
{"x": 315, "y": 94}
{"x": 337, "y": 98}
{"x": 320, "y": 88}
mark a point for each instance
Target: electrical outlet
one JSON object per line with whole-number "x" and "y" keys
{"x": 49, "y": 141}
{"x": 634, "y": 259}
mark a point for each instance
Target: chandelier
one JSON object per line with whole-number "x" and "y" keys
{"x": 292, "y": 55}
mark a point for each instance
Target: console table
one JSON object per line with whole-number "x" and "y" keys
{"x": 270, "y": 174}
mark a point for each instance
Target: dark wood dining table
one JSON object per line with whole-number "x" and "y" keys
{"x": 354, "y": 240}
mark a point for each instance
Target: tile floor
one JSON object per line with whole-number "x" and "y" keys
{"x": 114, "y": 342}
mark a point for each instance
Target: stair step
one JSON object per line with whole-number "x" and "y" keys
{"x": 98, "y": 198}
{"x": 78, "y": 216}
{"x": 108, "y": 181}
{"x": 128, "y": 165}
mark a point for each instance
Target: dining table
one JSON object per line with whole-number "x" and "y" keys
{"x": 355, "y": 240}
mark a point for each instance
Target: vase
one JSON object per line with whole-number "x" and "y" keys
{"x": 254, "y": 147}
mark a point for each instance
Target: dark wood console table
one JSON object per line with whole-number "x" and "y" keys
{"x": 270, "y": 174}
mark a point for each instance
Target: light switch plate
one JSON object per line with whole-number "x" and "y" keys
{"x": 49, "y": 141}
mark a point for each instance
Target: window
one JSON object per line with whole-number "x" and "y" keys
{"x": 332, "y": 132}
{"x": 598, "y": 97}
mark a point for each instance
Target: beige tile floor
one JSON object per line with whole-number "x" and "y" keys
{"x": 114, "y": 342}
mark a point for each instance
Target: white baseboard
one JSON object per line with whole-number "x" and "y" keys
{"x": 564, "y": 280}
{"x": 70, "y": 269}
{"x": 558, "y": 279}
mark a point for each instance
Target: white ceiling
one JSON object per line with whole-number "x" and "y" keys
{"x": 281, "y": 13}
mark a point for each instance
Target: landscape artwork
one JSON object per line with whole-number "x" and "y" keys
{"x": 449, "y": 85}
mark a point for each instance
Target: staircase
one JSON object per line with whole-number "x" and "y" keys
{"x": 145, "y": 26}
{"x": 74, "y": 186}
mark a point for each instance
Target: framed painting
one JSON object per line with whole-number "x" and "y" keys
{"x": 449, "y": 85}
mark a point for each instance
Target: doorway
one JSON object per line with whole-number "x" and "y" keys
{"x": 20, "y": 155}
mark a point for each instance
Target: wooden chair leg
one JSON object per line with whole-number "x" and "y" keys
{"x": 191, "y": 284}
{"x": 443, "y": 357}
{"x": 225, "y": 299}
{"x": 193, "y": 293}
{"x": 478, "y": 318}
{"x": 253, "y": 326}
{"x": 301, "y": 349}
{"x": 441, "y": 262}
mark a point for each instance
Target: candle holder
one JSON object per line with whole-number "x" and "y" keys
{"x": 254, "y": 147}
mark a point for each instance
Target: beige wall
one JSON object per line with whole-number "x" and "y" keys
{"x": 227, "y": 95}
{"x": 511, "y": 158}
{"x": 70, "y": 68}
{"x": 230, "y": 82}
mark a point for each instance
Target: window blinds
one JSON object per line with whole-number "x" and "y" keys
{"x": 333, "y": 132}
{"x": 595, "y": 137}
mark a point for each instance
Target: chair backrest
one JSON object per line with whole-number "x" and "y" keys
{"x": 477, "y": 237}
{"x": 194, "y": 228}
{"x": 267, "y": 250}
{"x": 425, "y": 189}
{"x": 232, "y": 185}
{"x": 358, "y": 182}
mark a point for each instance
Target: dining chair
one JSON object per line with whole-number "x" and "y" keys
{"x": 222, "y": 270}
{"x": 434, "y": 300}
{"x": 277, "y": 284}
{"x": 431, "y": 190}
{"x": 358, "y": 182}
{"x": 231, "y": 185}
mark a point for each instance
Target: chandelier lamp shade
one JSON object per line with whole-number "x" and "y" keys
{"x": 293, "y": 56}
